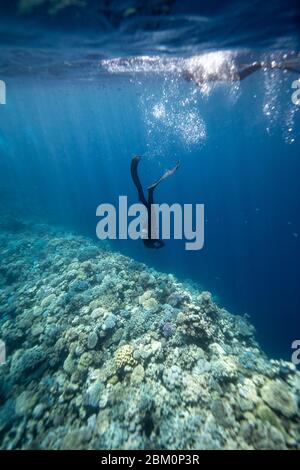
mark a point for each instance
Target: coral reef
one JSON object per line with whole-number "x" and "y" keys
{"x": 106, "y": 353}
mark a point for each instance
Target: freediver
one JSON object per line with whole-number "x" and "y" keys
{"x": 199, "y": 75}
{"x": 148, "y": 241}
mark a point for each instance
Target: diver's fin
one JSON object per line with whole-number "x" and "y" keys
{"x": 135, "y": 177}
{"x": 163, "y": 177}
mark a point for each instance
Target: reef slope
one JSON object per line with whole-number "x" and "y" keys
{"x": 105, "y": 353}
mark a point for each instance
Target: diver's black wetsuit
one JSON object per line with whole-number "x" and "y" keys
{"x": 149, "y": 242}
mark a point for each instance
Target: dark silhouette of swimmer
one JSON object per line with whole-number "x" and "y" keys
{"x": 148, "y": 241}
{"x": 199, "y": 75}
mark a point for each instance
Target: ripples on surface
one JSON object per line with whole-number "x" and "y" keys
{"x": 111, "y": 40}
{"x": 56, "y": 37}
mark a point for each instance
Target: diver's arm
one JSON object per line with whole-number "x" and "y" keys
{"x": 292, "y": 65}
{"x": 248, "y": 70}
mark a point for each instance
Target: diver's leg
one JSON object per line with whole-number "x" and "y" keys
{"x": 135, "y": 177}
{"x": 150, "y": 196}
{"x": 151, "y": 219}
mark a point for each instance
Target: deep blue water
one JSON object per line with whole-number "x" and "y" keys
{"x": 66, "y": 147}
{"x": 114, "y": 28}
{"x": 73, "y": 122}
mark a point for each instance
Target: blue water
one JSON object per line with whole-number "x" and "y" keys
{"x": 98, "y": 351}
{"x": 73, "y": 122}
{"x": 66, "y": 147}
{"x": 114, "y": 28}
